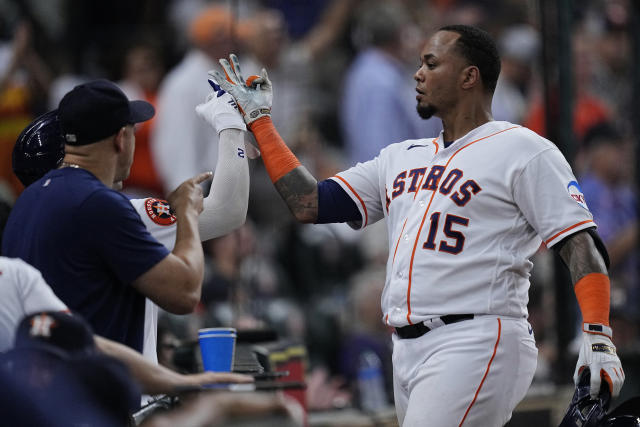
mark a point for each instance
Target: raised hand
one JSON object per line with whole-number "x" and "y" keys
{"x": 220, "y": 110}
{"x": 254, "y": 97}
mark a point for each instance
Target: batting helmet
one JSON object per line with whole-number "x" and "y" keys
{"x": 583, "y": 410}
{"x": 587, "y": 412}
{"x": 38, "y": 149}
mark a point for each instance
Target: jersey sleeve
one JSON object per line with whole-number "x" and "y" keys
{"x": 157, "y": 218}
{"x": 362, "y": 184}
{"x": 35, "y": 293}
{"x": 550, "y": 197}
{"x": 334, "y": 204}
{"x": 116, "y": 231}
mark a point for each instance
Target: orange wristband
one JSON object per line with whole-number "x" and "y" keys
{"x": 277, "y": 158}
{"x": 593, "y": 294}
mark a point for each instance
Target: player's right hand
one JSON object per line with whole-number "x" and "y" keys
{"x": 254, "y": 97}
{"x": 220, "y": 110}
{"x": 599, "y": 354}
{"x": 188, "y": 196}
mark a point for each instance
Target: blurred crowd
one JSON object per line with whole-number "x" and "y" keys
{"x": 343, "y": 89}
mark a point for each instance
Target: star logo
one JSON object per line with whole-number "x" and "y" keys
{"x": 159, "y": 211}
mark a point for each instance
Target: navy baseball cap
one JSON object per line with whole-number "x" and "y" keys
{"x": 95, "y": 110}
{"x": 58, "y": 332}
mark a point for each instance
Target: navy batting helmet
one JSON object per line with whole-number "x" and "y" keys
{"x": 583, "y": 410}
{"x": 587, "y": 412}
{"x": 38, "y": 149}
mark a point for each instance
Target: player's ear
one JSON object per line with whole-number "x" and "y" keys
{"x": 119, "y": 140}
{"x": 470, "y": 77}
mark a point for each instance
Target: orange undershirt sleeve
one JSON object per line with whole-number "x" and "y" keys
{"x": 593, "y": 294}
{"x": 277, "y": 158}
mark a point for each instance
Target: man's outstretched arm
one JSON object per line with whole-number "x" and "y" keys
{"x": 308, "y": 200}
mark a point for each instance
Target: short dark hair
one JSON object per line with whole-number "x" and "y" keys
{"x": 479, "y": 48}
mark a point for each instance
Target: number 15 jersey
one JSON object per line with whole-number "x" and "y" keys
{"x": 464, "y": 220}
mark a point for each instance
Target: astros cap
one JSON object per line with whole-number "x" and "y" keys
{"x": 95, "y": 110}
{"x": 58, "y": 332}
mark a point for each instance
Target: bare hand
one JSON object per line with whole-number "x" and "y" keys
{"x": 204, "y": 378}
{"x": 188, "y": 195}
{"x": 324, "y": 392}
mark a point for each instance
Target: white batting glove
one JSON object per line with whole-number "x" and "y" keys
{"x": 599, "y": 354}
{"x": 254, "y": 97}
{"x": 220, "y": 110}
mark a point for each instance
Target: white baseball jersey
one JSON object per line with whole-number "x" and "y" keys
{"x": 464, "y": 220}
{"x": 161, "y": 224}
{"x": 22, "y": 291}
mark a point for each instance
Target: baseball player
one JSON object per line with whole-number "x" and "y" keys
{"x": 40, "y": 148}
{"x": 465, "y": 211}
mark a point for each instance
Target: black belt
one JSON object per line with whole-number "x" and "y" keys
{"x": 419, "y": 329}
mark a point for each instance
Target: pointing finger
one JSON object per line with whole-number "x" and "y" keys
{"x": 202, "y": 177}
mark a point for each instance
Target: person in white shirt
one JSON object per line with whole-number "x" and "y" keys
{"x": 23, "y": 291}
{"x": 180, "y": 143}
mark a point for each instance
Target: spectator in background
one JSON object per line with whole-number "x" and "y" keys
{"x": 362, "y": 329}
{"x": 23, "y": 75}
{"x": 142, "y": 74}
{"x": 291, "y": 64}
{"x": 294, "y": 67}
{"x": 519, "y": 46}
{"x": 378, "y": 103}
{"x": 606, "y": 184}
{"x": 588, "y": 109}
{"x": 612, "y": 72}
{"x": 182, "y": 144}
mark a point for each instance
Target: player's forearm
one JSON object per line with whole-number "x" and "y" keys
{"x": 296, "y": 185}
{"x": 225, "y": 208}
{"x": 299, "y": 189}
{"x": 156, "y": 379}
{"x": 581, "y": 256}
{"x": 153, "y": 379}
{"x": 589, "y": 275}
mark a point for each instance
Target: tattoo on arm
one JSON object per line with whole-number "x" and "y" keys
{"x": 299, "y": 189}
{"x": 581, "y": 256}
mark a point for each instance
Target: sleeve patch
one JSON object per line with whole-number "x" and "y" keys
{"x": 575, "y": 192}
{"x": 159, "y": 211}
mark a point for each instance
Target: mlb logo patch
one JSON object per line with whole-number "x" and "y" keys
{"x": 575, "y": 192}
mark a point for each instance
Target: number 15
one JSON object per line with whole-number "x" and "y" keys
{"x": 458, "y": 237}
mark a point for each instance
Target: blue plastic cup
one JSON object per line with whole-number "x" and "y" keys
{"x": 217, "y": 346}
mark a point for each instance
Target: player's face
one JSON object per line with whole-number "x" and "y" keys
{"x": 437, "y": 77}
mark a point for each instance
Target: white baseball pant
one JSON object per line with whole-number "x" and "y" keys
{"x": 469, "y": 373}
